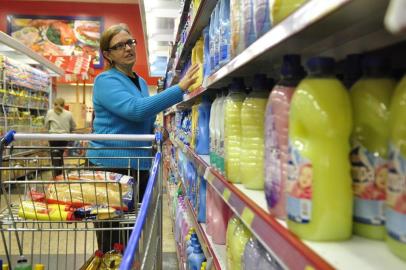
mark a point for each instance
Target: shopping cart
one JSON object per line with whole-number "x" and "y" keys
{"x": 47, "y": 219}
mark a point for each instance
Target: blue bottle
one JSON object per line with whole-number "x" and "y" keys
{"x": 206, "y": 55}
{"x": 196, "y": 258}
{"x": 193, "y": 242}
{"x": 225, "y": 34}
{"x": 203, "y": 132}
{"x": 201, "y": 214}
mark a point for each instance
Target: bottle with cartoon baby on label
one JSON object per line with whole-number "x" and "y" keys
{"x": 319, "y": 195}
{"x": 370, "y": 97}
{"x": 396, "y": 186}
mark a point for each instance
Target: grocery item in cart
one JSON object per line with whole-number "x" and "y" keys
{"x": 94, "y": 262}
{"x": 319, "y": 195}
{"x": 276, "y": 134}
{"x": 252, "y": 134}
{"x": 44, "y": 211}
{"x": 22, "y": 264}
{"x": 113, "y": 189}
{"x": 99, "y": 212}
{"x": 370, "y": 97}
{"x": 396, "y": 187}
{"x": 232, "y": 129}
{"x": 112, "y": 259}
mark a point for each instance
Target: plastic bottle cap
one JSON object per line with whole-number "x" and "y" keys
{"x": 291, "y": 66}
{"x": 374, "y": 65}
{"x": 237, "y": 85}
{"x": 260, "y": 82}
{"x": 321, "y": 65}
{"x": 99, "y": 253}
{"x": 22, "y": 260}
{"x": 119, "y": 247}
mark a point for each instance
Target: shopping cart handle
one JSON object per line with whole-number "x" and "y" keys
{"x": 8, "y": 138}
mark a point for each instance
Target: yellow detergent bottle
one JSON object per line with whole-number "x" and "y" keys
{"x": 195, "y": 117}
{"x": 396, "y": 186}
{"x": 232, "y": 224}
{"x": 239, "y": 240}
{"x": 370, "y": 97}
{"x": 283, "y": 8}
{"x": 232, "y": 130}
{"x": 252, "y": 139}
{"x": 197, "y": 58}
{"x": 319, "y": 194}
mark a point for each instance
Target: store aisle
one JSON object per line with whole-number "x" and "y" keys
{"x": 170, "y": 262}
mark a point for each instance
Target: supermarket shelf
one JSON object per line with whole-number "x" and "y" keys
{"x": 182, "y": 22}
{"x": 211, "y": 250}
{"x": 293, "y": 253}
{"x": 333, "y": 28}
{"x": 200, "y": 21}
{"x": 18, "y": 51}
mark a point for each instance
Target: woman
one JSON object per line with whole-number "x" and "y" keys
{"x": 59, "y": 120}
{"x": 122, "y": 105}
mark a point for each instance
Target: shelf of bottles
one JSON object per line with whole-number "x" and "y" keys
{"x": 24, "y": 97}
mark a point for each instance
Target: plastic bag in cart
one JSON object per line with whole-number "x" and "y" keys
{"x": 116, "y": 191}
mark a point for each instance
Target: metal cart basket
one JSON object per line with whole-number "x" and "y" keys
{"x": 57, "y": 215}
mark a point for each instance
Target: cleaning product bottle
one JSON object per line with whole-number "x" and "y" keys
{"x": 396, "y": 186}
{"x": 203, "y": 266}
{"x": 212, "y": 128}
{"x": 319, "y": 195}
{"x": 194, "y": 117}
{"x": 232, "y": 129}
{"x": 370, "y": 97}
{"x": 238, "y": 242}
{"x": 203, "y": 134}
{"x": 232, "y": 224}
{"x": 209, "y": 209}
{"x": 196, "y": 259}
{"x": 236, "y": 44}
{"x": 224, "y": 32}
{"x": 221, "y": 213}
{"x": 220, "y": 132}
{"x": 212, "y": 42}
{"x": 256, "y": 257}
{"x": 22, "y": 264}
{"x": 276, "y": 135}
{"x": 262, "y": 17}
{"x": 197, "y": 54}
{"x": 5, "y": 267}
{"x": 217, "y": 37}
{"x": 206, "y": 55}
{"x": 201, "y": 213}
{"x": 283, "y": 8}
{"x": 252, "y": 139}
{"x": 247, "y": 32}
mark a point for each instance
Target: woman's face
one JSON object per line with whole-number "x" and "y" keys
{"x": 122, "y": 50}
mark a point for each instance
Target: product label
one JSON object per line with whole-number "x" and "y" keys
{"x": 369, "y": 173}
{"x": 299, "y": 187}
{"x": 396, "y": 195}
{"x": 224, "y": 52}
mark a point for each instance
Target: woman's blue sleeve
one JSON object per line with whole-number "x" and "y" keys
{"x": 111, "y": 93}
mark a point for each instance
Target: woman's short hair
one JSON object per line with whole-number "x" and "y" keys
{"x": 107, "y": 36}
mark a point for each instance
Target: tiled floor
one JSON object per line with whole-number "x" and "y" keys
{"x": 170, "y": 261}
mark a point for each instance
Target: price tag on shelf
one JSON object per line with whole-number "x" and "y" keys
{"x": 226, "y": 194}
{"x": 208, "y": 175}
{"x": 247, "y": 216}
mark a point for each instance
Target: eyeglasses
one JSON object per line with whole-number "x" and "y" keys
{"x": 122, "y": 45}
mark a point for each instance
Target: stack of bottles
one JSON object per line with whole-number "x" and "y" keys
{"x": 193, "y": 252}
{"x": 244, "y": 251}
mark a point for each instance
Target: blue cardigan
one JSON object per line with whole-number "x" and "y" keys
{"x": 121, "y": 108}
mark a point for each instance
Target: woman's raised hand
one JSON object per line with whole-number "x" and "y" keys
{"x": 189, "y": 78}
